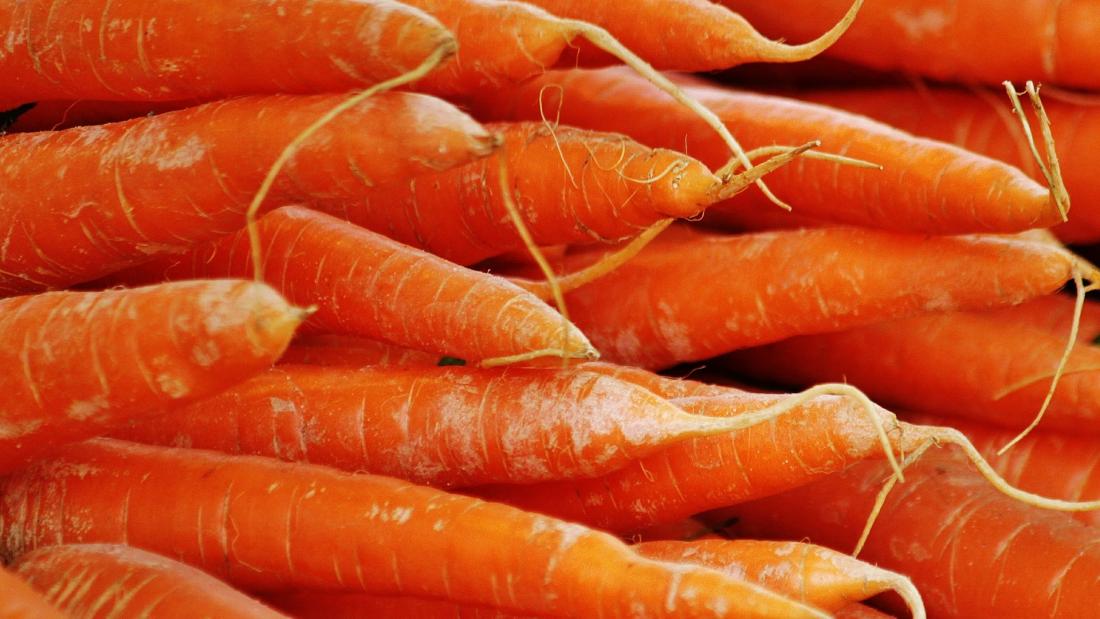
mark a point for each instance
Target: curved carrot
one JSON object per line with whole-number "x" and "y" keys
{"x": 165, "y": 50}
{"x": 970, "y": 551}
{"x": 86, "y": 580}
{"x": 365, "y": 284}
{"x": 79, "y": 363}
{"x": 924, "y": 185}
{"x": 352, "y": 532}
{"x": 690, "y": 298}
{"x": 84, "y": 202}
{"x": 951, "y": 41}
{"x": 19, "y": 601}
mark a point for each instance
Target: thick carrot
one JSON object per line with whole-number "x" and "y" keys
{"x": 351, "y": 351}
{"x": 351, "y": 532}
{"x": 111, "y": 580}
{"x": 815, "y": 575}
{"x": 978, "y": 121}
{"x": 570, "y": 185}
{"x": 84, "y": 202}
{"x": 19, "y": 601}
{"x": 165, "y": 50}
{"x": 79, "y": 363}
{"x": 952, "y": 41}
{"x": 970, "y": 364}
{"x": 365, "y": 284}
{"x": 971, "y": 551}
{"x": 690, "y": 298}
{"x": 924, "y": 185}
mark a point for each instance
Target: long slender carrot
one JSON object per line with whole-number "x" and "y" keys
{"x": 165, "y": 50}
{"x": 690, "y": 298}
{"x": 78, "y": 363}
{"x": 91, "y": 580}
{"x": 351, "y": 532}
{"x": 815, "y": 575}
{"x": 970, "y": 551}
{"x": 970, "y": 364}
{"x": 84, "y": 202}
{"x": 953, "y": 41}
{"x": 571, "y": 186}
{"x": 365, "y": 284}
{"x": 923, "y": 186}
{"x": 19, "y": 601}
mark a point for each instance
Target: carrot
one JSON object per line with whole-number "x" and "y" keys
{"x": 327, "y": 605}
{"x": 351, "y": 532}
{"x": 976, "y": 120}
{"x": 924, "y": 185}
{"x": 79, "y": 363}
{"x": 814, "y": 575}
{"x": 860, "y": 611}
{"x": 972, "y": 364}
{"x": 671, "y": 303}
{"x": 696, "y": 35}
{"x": 351, "y": 351}
{"x": 107, "y": 213}
{"x": 365, "y": 284}
{"x": 19, "y": 601}
{"x": 971, "y": 551}
{"x": 1053, "y": 314}
{"x": 92, "y": 580}
{"x": 164, "y": 50}
{"x": 571, "y": 186}
{"x": 55, "y": 115}
{"x": 950, "y": 41}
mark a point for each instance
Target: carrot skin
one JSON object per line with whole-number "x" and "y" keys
{"x": 18, "y": 600}
{"x": 112, "y": 210}
{"x": 84, "y": 362}
{"x": 365, "y": 284}
{"x": 925, "y": 186}
{"x": 339, "y": 526}
{"x": 86, "y": 580}
{"x": 157, "y": 50}
{"x": 327, "y": 605}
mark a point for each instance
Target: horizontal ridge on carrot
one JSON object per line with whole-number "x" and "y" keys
{"x": 86, "y": 580}
{"x": 924, "y": 186}
{"x": 80, "y": 363}
{"x": 84, "y": 202}
{"x": 168, "y": 50}
{"x": 365, "y": 284}
{"x": 351, "y": 532}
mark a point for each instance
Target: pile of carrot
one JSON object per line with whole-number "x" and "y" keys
{"x": 493, "y": 308}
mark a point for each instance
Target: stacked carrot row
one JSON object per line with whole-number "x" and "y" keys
{"x": 357, "y": 308}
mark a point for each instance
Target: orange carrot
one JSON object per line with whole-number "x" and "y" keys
{"x": 55, "y": 115}
{"x": 91, "y": 580}
{"x": 327, "y": 605}
{"x": 351, "y": 532}
{"x": 92, "y": 200}
{"x": 365, "y": 284}
{"x": 350, "y": 351}
{"x": 80, "y": 363}
{"x": 970, "y": 364}
{"x": 164, "y": 50}
{"x": 951, "y": 41}
{"x": 971, "y": 551}
{"x": 1053, "y": 314}
{"x": 19, "y": 601}
{"x": 925, "y": 185}
{"x": 690, "y": 298}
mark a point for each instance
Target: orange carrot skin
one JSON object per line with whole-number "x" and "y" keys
{"x": 700, "y": 296}
{"x": 352, "y": 352}
{"x": 982, "y": 124}
{"x": 444, "y": 427}
{"x": 823, "y": 436}
{"x": 925, "y": 186}
{"x": 365, "y": 284}
{"x": 605, "y": 194}
{"x": 971, "y": 551}
{"x": 83, "y": 362}
{"x": 964, "y": 42}
{"x": 1053, "y": 314}
{"x": 56, "y": 115}
{"x": 161, "y": 50}
{"x": 349, "y": 532}
{"x": 86, "y": 580}
{"x": 18, "y": 600}
{"x": 328, "y": 605}
{"x": 958, "y": 364}
{"x": 84, "y": 205}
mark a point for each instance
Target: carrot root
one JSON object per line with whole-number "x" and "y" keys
{"x": 1050, "y": 169}
{"x": 783, "y": 52}
{"x": 732, "y": 185}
